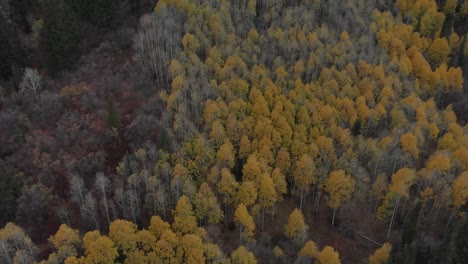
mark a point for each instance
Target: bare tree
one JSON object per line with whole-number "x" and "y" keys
{"x": 90, "y": 209}
{"x": 77, "y": 191}
{"x": 102, "y": 184}
{"x": 31, "y": 82}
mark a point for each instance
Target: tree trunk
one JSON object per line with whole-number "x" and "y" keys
{"x": 302, "y": 196}
{"x": 333, "y": 218}
{"x": 393, "y": 216}
{"x": 448, "y": 221}
{"x": 263, "y": 218}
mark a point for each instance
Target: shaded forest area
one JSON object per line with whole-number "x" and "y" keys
{"x": 247, "y": 131}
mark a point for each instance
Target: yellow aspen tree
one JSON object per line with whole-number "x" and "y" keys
{"x": 227, "y": 186}
{"x": 66, "y": 241}
{"x": 309, "y": 250}
{"x": 283, "y": 160}
{"x": 328, "y": 255}
{"x": 146, "y": 241}
{"x": 267, "y": 196}
{"x": 165, "y": 248}
{"x": 439, "y": 161}
{"x": 340, "y": 188}
{"x": 409, "y": 144}
{"x": 296, "y": 228}
{"x": 207, "y": 206}
{"x": 381, "y": 255}
{"x": 193, "y": 249}
{"x": 278, "y": 252}
{"x": 439, "y": 51}
{"x": 304, "y": 175}
{"x": 226, "y": 155}
{"x": 401, "y": 182}
{"x": 158, "y": 226}
{"x": 123, "y": 234}
{"x": 279, "y": 180}
{"x": 251, "y": 170}
{"x": 245, "y": 222}
{"x": 245, "y": 147}
{"x": 184, "y": 218}
{"x": 247, "y": 193}
{"x": 242, "y": 256}
{"x": 214, "y": 254}
{"x": 447, "y": 141}
{"x": 99, "y": 249}
{"x": 461, "y": 158}
{"x": 460, "y": 190}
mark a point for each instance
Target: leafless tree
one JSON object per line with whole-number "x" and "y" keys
{"x": 31, "y": 83}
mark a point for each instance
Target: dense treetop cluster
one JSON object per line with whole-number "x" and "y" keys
{"x": 269, "y": 114}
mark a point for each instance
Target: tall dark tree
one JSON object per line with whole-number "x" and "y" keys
{"x": 10, "y": 190}
{"x": 101, "y": 13}
{"x": 60, "y": 38}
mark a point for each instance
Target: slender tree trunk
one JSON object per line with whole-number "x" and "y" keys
{"x": 263, "y": 218}
{"x": 393, "y": 217}
{"x": 374, "y": 212}
{"x": 317, "y": 202}
{"x": 333, "y": 218}
{"x": 448, "y": 221}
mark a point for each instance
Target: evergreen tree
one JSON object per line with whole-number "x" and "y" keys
{"x": 60, "y": 38}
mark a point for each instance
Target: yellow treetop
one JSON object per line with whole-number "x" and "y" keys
{"x": 381, "y": 255}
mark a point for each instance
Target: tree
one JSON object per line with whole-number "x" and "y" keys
{"x": 401, "y": 182}
{"x": 267, "y": 196}
{"x": 247, "y": 193}
{"x": 77, "y": 191}
{"x": 227, "y": 187}
{"x": 102, "y": 184}
{"x": 245, "y": 222}
{"x": 439, "y": 51}
{"x": 242, "y": 256}
{"x": 381, "y": 255}
{"x": 310, "y": 250}
{"x": 296, "y": 228}
{"x": 184, "y": 218}
{"x": 16, "y": 246}
{"x": 123, "y": 234}
{"x": 409, "y": 144}
{"x": 340, "y": 187}
{"x": 158, "y": 226}
{"x": 33, "y": 204}
{"x": 328, "y": 256}
{"x": 98, "y": 249}
{"x": 304, "y": 175}
{"x": 251, "y": 170}
{"x": 226, "y": 155}
{"x": 278, "y": 252}
{"x": 113, "y": 116}
{"x": 31, "y": 83}
{"x": 207, "y": 206}
{"x": 67, "y": 243}
{"x": 90, "y": 209}
{"x": 460, "y": 190}
{"x": 279, "y": 180}
{"x": 60, "y": 38}
{"x": 193, "y": 249}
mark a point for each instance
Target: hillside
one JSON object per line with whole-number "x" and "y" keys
{"x": 251, "y": 131}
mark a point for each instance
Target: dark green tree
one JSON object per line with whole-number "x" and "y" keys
{"x": 60, "y": 38}
{"x": 113, "y": 116}
{"x": 10, "y": 190}
{"x": 104, "y": 14}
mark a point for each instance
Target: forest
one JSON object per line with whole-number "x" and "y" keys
{"x": 233, "y": 131}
